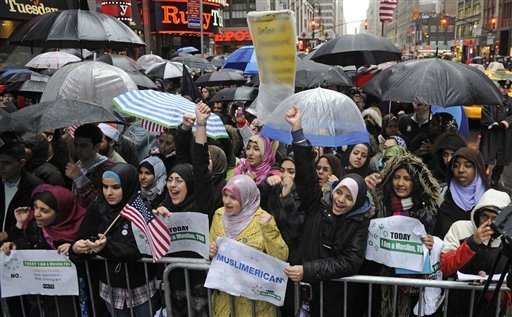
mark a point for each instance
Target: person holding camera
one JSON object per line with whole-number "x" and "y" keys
{"x": 471, "y": 247}
{"x": 496, "y": 136}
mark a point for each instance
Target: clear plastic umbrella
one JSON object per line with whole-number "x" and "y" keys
{"x": 329, "y": 118}
{"x": 88, "y": 81}
{"x": 52, "y": 60}
{"x": 149, "y": 59}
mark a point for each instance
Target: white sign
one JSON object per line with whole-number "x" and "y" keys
{"x": 396, "y": 242}
{"x": 189, "y": 232}
{"x": 240, "y": 270}
{"x": 43, "y": 272}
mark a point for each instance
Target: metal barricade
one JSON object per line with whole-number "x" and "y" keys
{"x": 190, "y": 264}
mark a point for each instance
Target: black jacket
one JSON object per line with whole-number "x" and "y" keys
{"x": 331, "y": 246}
{"x": 22, "y": 198}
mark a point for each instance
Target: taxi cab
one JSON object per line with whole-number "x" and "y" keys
{"x": 495, "y": 71}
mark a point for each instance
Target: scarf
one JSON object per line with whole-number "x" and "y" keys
{"x": 156, "y": 165}
{"x": 467, "y": 197}
{"x": 267, "y": 159}
{"x": 401, "y": 207}
{"x": 247, "y": 194}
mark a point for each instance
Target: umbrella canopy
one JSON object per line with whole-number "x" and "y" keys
{"x": 145, "y": 61}
{"x": 131, "y": 67}
{"x": 60, "y": 113}
{"x": 242, "y": 93}
{"x": 81, "y": 53}
{"x": 221, "y": 78}
{"x": 195, "y": 63}
{"x": 165, "y": 109}
{"x": 88, "y": 81}
{"x": 7, "y": 123}
{"x": 434, "y": 82}
{"x": 165, "y": 70}
{"x": 217, "y": 61}
{"x": 52, "y": 60}
{"x": 243, "y": 59}
{"x": 10, "y": 75}
{"x": 187, "y": 49}
{"x": 309, "y": 74}
{"x": 76, "y": 29}
{"x": 329, "y": 118}
{"x": 357, "y": 49}
{"x": 29, "y": 88}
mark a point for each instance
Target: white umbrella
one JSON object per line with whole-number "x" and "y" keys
{"x": 149, "y": 59}
{"x": 166, "y": 70}
{"x": 52, "y": 60}
{"x": 88, "y": 81}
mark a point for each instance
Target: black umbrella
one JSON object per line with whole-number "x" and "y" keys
{"x": 221, "y": 78}
{"x": 75, "y": 29}
{"x": 357, "y": 49}
{"x": 9, "y": 124}
{"x": 434, "y": 82}
{"x": 242, "y": 93}
{"x": 195, "y": 63}
{"x": 30, "y": 88}
{"x": 61, "y": 113}
{"x": 310, "y": 74}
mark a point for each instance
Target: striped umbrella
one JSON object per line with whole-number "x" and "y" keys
{"x": 165, "y": 109}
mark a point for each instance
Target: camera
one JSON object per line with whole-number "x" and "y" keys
{"x": 503, "y": 224}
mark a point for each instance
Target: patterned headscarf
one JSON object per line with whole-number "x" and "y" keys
{"x": 267, "y": 159}
{"x": 247, "y": 194}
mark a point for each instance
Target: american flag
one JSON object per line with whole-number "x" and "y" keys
{"x": 156, "y": 232}
{"x": 386, "y": 10}
{"x": 152, "y": 127}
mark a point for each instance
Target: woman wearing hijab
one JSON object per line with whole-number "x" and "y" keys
{"x": 117, "y": 246}
{"x": 190, "y": 189}
{"x": 51, "y": 223}
{"x": 243, "y": 220}
{"x": 218, "y": 167}
{"x": 333, "y": 243}
{"x": 356, "y": 159}
{"x": 467, "y": 183}
{"x": 260, "y": 156}
{"x": 443, "y": 149}
{"x": 152, "y": 179}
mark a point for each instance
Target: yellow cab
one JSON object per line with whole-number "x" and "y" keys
{"x": 495, "y": 71}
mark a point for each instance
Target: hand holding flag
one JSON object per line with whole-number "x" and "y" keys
{"x": 139, "y": 213}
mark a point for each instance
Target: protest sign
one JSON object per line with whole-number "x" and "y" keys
{"x": 273, "y": 36}
{"x": 189, "y": 232}
{"x": 396, "y": 242}
{"x": 240, "y": 270}
{"x": 43, "y": 272}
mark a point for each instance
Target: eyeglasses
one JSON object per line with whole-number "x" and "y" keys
{"x": 484, "y": 217}
{"x": 323, "y": 169}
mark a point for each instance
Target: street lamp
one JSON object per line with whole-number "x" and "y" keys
{"x": 313, "y": 21}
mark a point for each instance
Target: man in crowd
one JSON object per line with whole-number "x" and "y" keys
{"x": 110, "y": 137}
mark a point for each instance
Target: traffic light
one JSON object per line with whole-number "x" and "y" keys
{"x": 493, "y": 23}
{"x": 443, "y": 22}
{"x": 312, "y": 24}
{"x": 366, "y": 25}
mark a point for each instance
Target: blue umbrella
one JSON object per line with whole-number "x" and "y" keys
{"x": 243, "y": 59}
{"x": 459, "y": 115}
{"x": 187, "y": 49}
{"x": 165, "y": 109}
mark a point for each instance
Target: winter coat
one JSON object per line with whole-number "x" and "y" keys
{"x": 496, "y": 137}
{"x": 462, "y": 253}
{"x": 265, "y": 238}
{"x": 22, "y": 198}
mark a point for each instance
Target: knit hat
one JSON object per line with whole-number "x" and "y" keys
{"x": 109, "y": 130}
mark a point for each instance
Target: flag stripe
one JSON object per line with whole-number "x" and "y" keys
{"x": 139, "y": 213}
{"x": 386, "y": 10}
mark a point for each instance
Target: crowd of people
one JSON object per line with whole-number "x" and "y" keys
{"x": 307, "y": 205}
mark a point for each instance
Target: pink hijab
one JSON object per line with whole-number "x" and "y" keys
{"x": 70, "y": 215}
{"x": 247, "y": 194}
{"x": 262, "y": 170}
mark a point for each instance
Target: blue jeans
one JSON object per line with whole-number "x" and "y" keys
{"x": 138, "y": 311}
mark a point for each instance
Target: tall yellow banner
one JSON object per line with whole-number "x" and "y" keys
{"x": 273, "y": 36}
